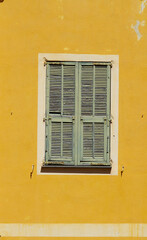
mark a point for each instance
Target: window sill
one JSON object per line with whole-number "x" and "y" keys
{"x": 77, "y": 169}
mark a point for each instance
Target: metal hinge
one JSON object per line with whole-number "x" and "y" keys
{"x": 47, "y": 118}
{"x": 110, "y": 120}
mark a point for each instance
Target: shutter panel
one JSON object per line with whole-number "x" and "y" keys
{"x": 93, "y": 140}
{"x": 69, "y": 90}
{"x": 60, "y": 104}
{"x": 88, "y": 140}
{"x": 95, "y": 114}
{"x": 100, "y": 90}
{"x": 87, "y": 90}
{"x": 67, "y": 139}
{"x": 99, "y": 140}
{"x": 55, "y": 89}
{"x": 56, "y": 139}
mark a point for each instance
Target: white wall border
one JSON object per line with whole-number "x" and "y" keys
{"x": 41, "y": 103}
{"x": 73, "y": 230}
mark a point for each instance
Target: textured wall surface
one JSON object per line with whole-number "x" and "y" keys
{"x": 78, "y": 27}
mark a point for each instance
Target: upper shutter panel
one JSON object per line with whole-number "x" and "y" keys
{"x": 86, "y": 90}
{"x": 69, "y": 90}
{"x": 55, "y": 88}
{"x": 100, "y": 90}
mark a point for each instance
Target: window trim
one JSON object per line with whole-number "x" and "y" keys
{"x": 42, "y": 58}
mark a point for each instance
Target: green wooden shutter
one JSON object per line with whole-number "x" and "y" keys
{"x": 94, "y": 114}
{"x": 60, "y": 113}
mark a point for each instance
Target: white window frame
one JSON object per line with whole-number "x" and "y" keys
{"x": 114, "y": 59}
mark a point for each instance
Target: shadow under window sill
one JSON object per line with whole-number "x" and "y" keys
{"x": 77, "y": 169}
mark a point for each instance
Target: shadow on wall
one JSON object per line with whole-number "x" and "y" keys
{"x": 88, "y": 170}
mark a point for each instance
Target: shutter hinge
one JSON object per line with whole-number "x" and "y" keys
{"x": 73, "y": 119}
{"x": 110, "y": 120}
{"x": 46, "y": 119}
{"x": 45, "y": 62}
{"x": 105, "y": 120}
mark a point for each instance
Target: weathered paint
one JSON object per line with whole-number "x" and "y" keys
{"x": 89, "y": 27}
{"x": 136, "y": 28}
{"x": 143, "y": 5}
{"x": 73, "y": 230}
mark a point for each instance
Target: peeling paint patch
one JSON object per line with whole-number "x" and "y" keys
{"x": 74, "y": 230}
{"x": 143, "y": 5}
{"x": 136, "y": 28}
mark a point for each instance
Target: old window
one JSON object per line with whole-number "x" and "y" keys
{"x": 77, "y": 121}
{"x": 77, "y": 111}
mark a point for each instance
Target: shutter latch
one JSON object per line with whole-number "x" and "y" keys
{"x": 46, "y": 118}
{"x": 110, "y": 120}
{"x": 105, "y": 120}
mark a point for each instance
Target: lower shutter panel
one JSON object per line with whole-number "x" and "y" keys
{"x": 87, "y": 140}
{"x": 99, "y": 140}
{"x": 61, "y": 141}
{"x": 56, "y": 139}
{"x": 93, "y": 141}
{"x": 67, "y": 140}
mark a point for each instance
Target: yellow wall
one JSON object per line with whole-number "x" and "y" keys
{"x": 29, "y": 27}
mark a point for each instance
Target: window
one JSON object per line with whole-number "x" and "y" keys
{"x": 77, "y": 122}
{"x": 77, "y": 112}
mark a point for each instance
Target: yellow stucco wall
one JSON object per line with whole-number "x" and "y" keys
{"x": 29, "y": 27}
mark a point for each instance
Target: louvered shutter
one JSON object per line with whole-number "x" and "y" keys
{"x": 94, "y": 85}
{"x": 60, "y": 113}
